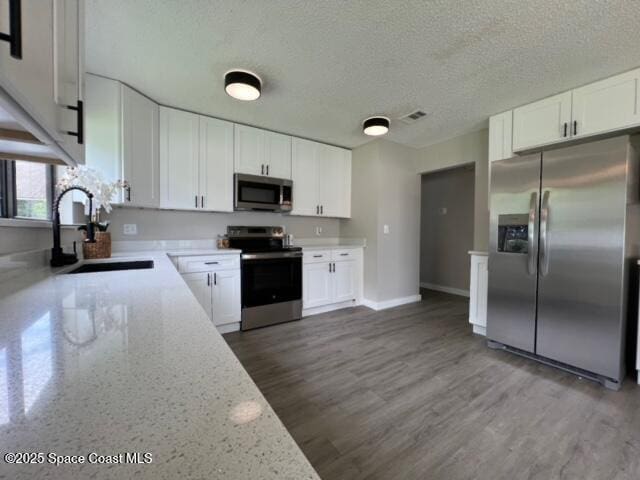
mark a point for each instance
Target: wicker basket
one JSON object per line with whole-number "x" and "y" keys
{"x": 100, "y": 249}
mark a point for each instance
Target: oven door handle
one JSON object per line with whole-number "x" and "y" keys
{"x": 270, "y": 255}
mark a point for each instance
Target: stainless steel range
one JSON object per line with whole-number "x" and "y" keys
{"x": 271, "y": 276}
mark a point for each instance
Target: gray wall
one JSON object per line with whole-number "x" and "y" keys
{"x": 386, "y": 191}
{"x": 446, "y": 238}
{"x": 470, "y": 148}
{"x": 184, "y": 225}
{"x": 22, "y": 239}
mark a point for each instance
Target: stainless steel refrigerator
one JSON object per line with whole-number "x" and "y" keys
{"x": 563, "y": 231}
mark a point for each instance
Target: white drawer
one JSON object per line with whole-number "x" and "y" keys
{"x": 208, "y": 263}
{"x": 344, "y": 254}
{"x": 315, "y": 256}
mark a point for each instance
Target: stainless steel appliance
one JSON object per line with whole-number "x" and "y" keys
{"x": 559, "y": 254}
{"x": 271, "y": 276}
{"x": 253, "y": 192}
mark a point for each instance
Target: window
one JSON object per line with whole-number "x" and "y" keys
{"x": 26, "y": 190}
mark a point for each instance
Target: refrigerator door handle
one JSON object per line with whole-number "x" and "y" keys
{"x": 532, "y": 235}
{"x": 544, "y": 234}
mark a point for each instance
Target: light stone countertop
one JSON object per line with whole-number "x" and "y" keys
{"x": 128, "y": 361}
{"x": 329, "y": 246}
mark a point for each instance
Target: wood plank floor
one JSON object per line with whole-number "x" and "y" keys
{"x": 411, "y": 393}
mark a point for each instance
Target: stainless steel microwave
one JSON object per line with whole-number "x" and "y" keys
{"x": 267, "y": 194}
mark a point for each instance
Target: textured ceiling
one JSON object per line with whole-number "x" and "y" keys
{"x": 328, "y": 64}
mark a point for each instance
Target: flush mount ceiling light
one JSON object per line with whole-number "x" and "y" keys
{"x": 375, "y": 126}
{"x": 242, "y": 85}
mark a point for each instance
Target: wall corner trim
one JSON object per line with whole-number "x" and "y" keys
{"x": 394, "y": 302}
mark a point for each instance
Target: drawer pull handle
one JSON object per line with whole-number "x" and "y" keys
{"x": 211, "y": 263}
{"x": 317, "y": 256}
{"x": 344, "y": 254}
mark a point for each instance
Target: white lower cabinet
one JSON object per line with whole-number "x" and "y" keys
{"x": 200, "y": 286}
{"x": 344, "y": 281}
{"x": 331, "y": 277}
{"x": 479, "y": 283}
{"x": 316, "y": 285}
{"x": 216, "y": 287}
{"x": 226, "y": 297}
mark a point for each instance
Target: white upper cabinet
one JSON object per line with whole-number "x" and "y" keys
{"x": 104, "y": 133}
{"x": 45, "y": 75}
{"x": 607, "y": 105}
{"x": 601, "y": 107}
{"x": 260, "y": 152}
{"x": 179, "y": 150}
{"x": 216, "y": 164}
{"x": 500, "y": 136}
{"x": 543, "y": 122}
{"x": 196, "y": 161}
{"x": 122, "y": 139}
{"x": 140, "y": 160}
{"x": 305, "y": 175}
{"x": 278, "y": 155}
{"x": 69, "y": 83}
{"x": 334, "y": 166}
{"x": 321, "y": 179}
{"x": 30, "y": 79}
{"x": 250, "y": 152}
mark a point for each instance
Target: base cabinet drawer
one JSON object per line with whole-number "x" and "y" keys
{"x": 207, "y": 263}
{"x": 316, "y": 256}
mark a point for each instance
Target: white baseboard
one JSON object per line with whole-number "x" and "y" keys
{"x": 441, "y": 288}
{"x": 328, "y": 308}
{"x": 228, "y": 327}
{"x": 394, "y": 302}
{"x": 480, "y": 330}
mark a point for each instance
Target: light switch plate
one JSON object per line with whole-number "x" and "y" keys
{"x": 130, "y": 229}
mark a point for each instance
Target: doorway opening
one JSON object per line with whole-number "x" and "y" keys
{"x": 446, "y": 230}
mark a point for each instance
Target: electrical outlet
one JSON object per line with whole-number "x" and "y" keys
{"x": 130, "y": 229}
{"x": 318, "y": 231}
{"x": 385, "y": 229}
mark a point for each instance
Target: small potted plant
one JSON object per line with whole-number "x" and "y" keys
{"x": 103, "y": 194}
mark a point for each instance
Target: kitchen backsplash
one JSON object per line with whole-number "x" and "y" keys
{"x": 176, "y": 225}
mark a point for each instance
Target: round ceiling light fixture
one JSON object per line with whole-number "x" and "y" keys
{"x": 375, "y": 126}
{"x": 242, "y": 85}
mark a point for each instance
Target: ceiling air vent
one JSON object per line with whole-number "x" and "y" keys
{"x": 413, "y": 117}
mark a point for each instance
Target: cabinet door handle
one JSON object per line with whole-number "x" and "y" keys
{"x": 215, "y": 278}
{"x": 262, "y": 170}
{"x": 565, "y": 129}
{"x": 329, "y": 267}
{"x": 79, "y": 109}
{"x": 14, "y": 37}
{"x": 208, "y": 279}
{"x": 317, "y": 209}
{"x": 267, "y": 169}
{"x": 128, "y": 193}
{"x": 196, "y": 197}
{"x": 202, "y": 201}
{"x": 575, "y": 127}
{"x": 321, "y": 209}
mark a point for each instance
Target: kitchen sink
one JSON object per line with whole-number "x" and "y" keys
{"x": 112, "y": 266}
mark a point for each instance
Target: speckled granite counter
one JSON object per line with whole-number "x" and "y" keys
{"x": 128, "y": 361}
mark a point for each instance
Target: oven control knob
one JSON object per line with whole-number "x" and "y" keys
{"x": 278, "y": 230}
